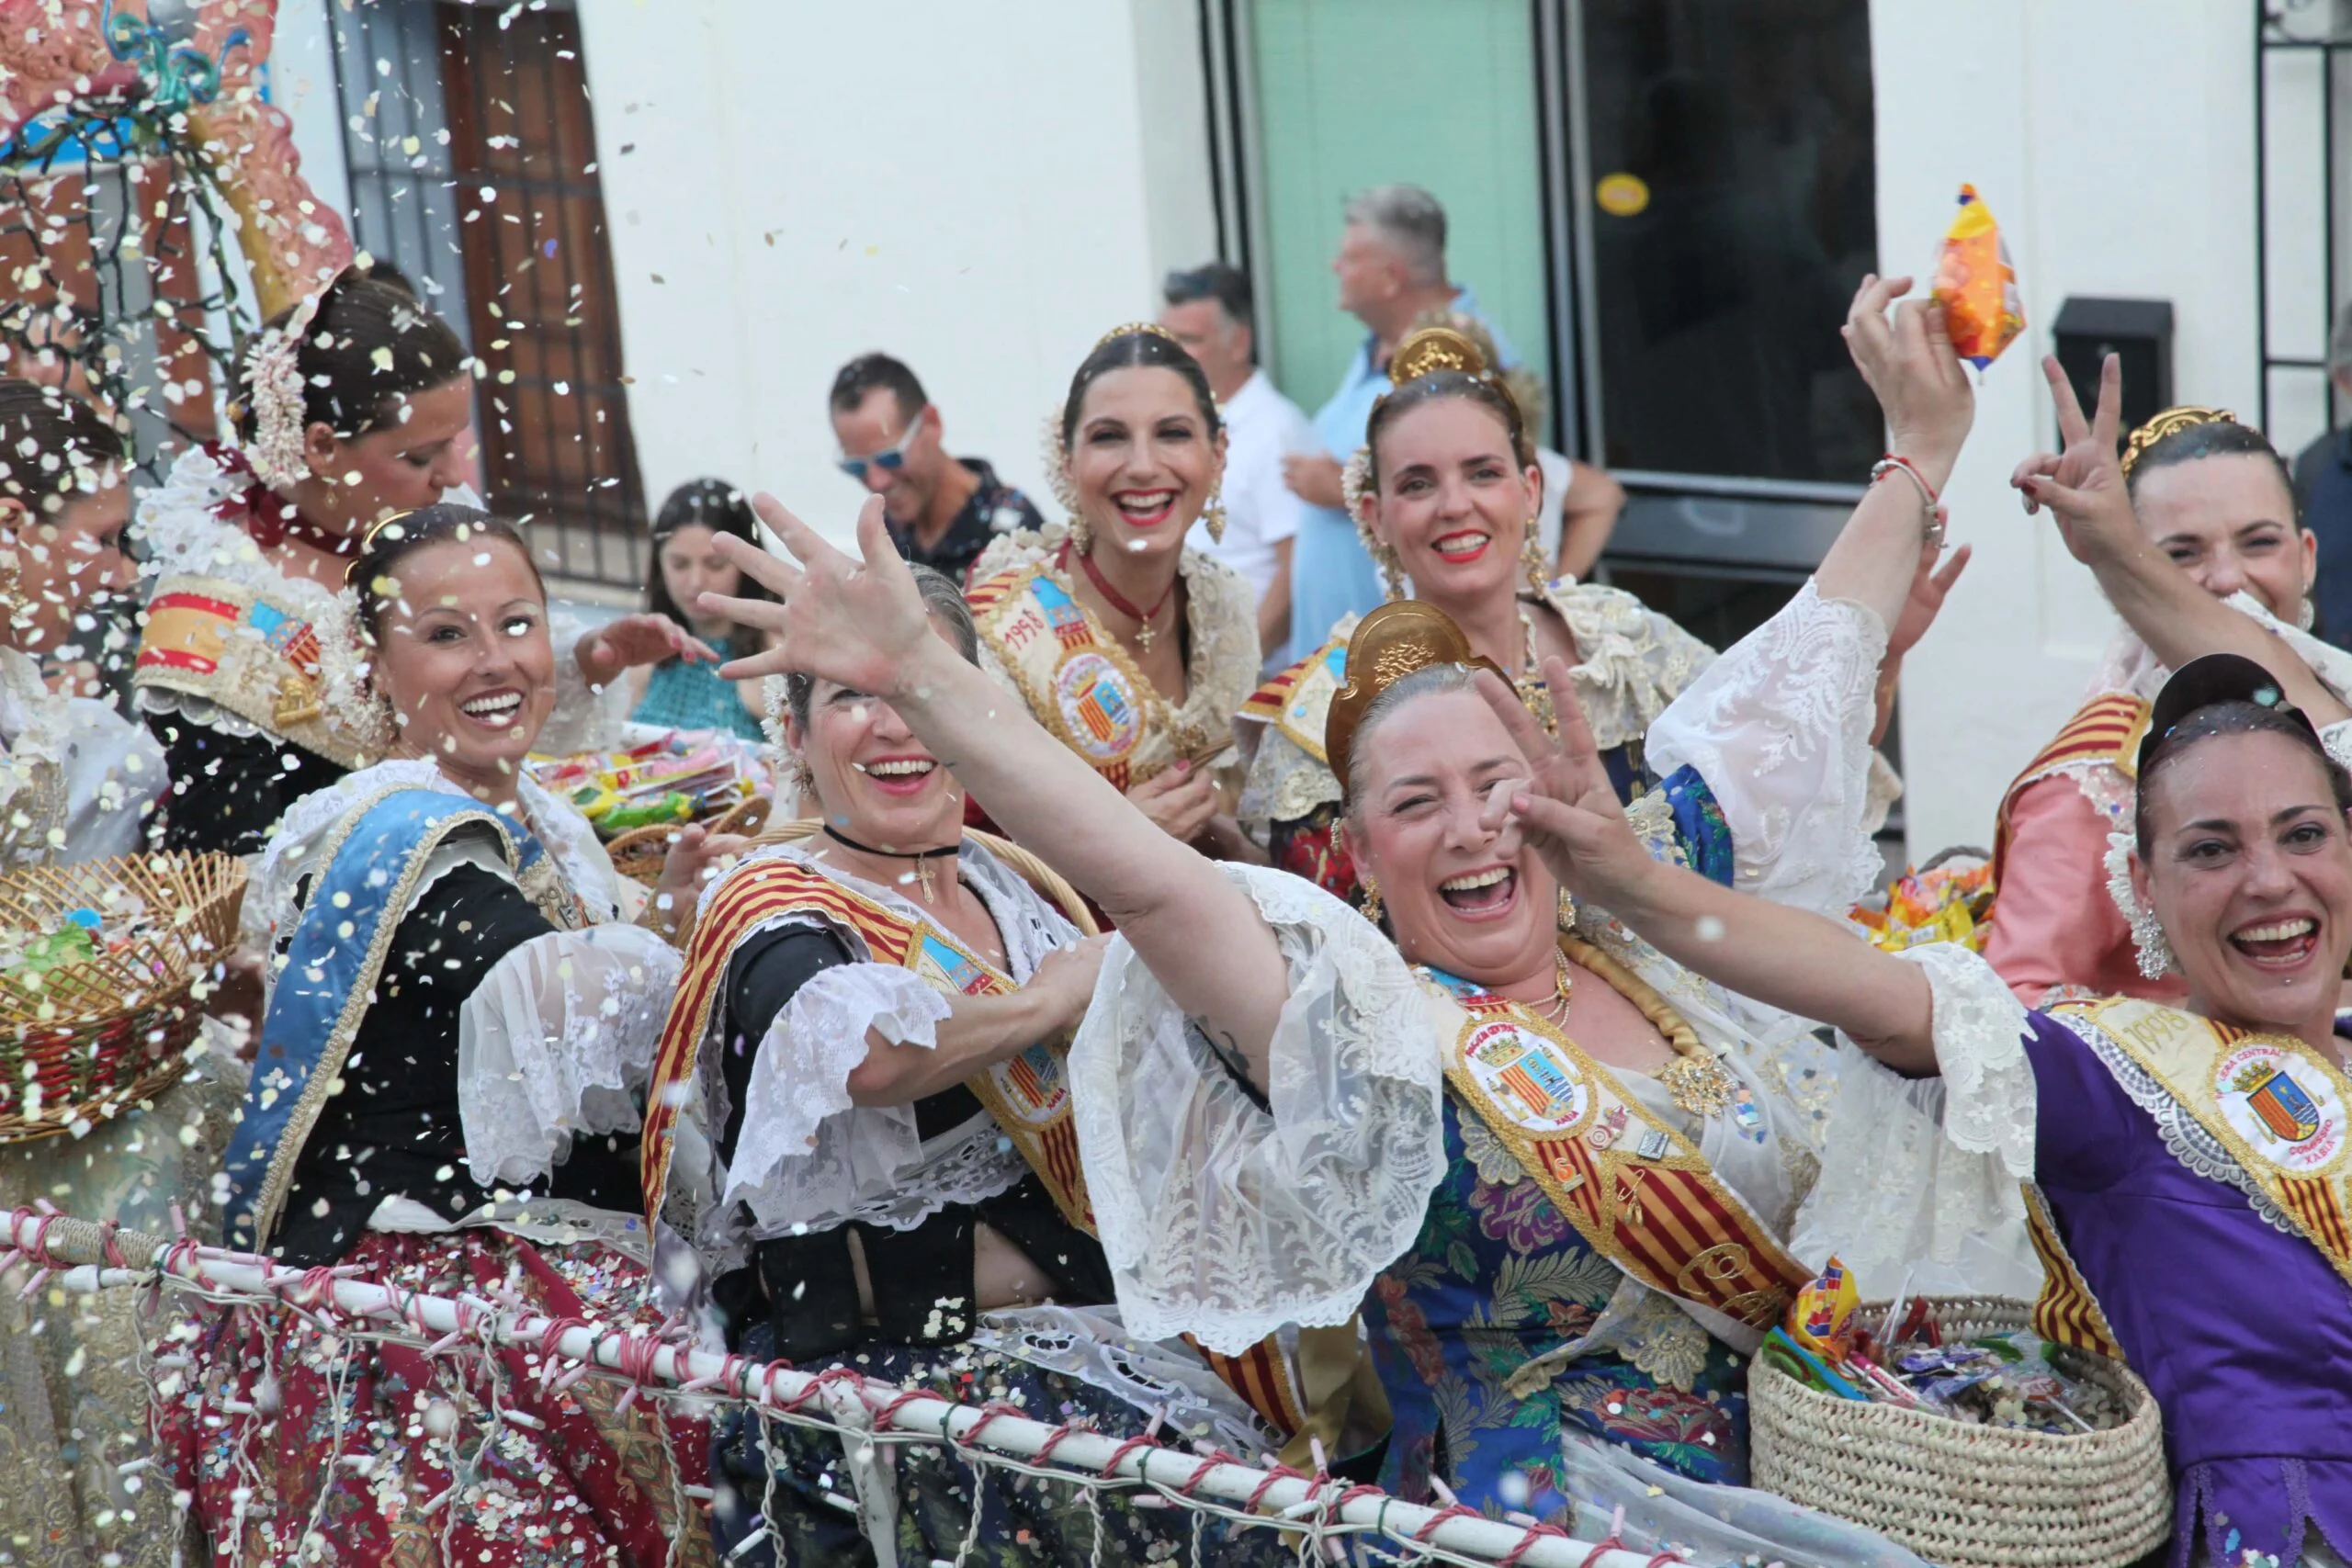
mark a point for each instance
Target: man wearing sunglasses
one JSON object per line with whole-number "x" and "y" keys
{"x": 943, "y": 511}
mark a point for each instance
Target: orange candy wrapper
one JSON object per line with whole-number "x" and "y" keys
{"x": 1976, "y": 284}
{"x": 1948, "y": 903}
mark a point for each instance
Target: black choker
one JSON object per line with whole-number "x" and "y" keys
{"x": 925, "y": 856}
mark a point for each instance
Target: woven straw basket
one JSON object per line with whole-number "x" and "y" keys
{"x": 100, "y": 1036}
{"x": 640, "y": 853}
{"x": 1965, "y": 1495}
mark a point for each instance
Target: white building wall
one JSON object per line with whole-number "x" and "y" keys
{"x": 981, "y": 190}
{"x": 2114, "y": 141}
{"x": 984, "y": 189}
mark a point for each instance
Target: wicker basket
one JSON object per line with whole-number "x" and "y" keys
{"x": 637, "y": 854}
{"x": 99, "y": 1036}
{"x": 1965, "y": 1495}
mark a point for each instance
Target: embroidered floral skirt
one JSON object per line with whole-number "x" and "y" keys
{"x": 299, "y": 1448}
{"x": 804, "y": 1477}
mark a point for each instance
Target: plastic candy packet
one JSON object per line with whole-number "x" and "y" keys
{"x": 1976, "y": 285}
{"x": 1818, "y": 1316}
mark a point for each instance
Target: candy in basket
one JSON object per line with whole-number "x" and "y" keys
{"x": 1947, "y": 902}
{"x": 674, "y": 779}
{"x": 103, "y": 970}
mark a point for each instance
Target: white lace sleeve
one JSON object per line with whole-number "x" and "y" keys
{"x": 1920, "y": 1178}
{"x": 586, "y": 717}
{"x": 556, "y": 1040}
{"x": 1779, "y": 727}
{"x": 807, "y": 1155}
{"x": 1220, "y": 1219}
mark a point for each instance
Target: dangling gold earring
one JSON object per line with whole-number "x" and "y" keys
{"x": 1371, "y": 896}
{"x": 1081, "y": 534}
{"x": 1392, "y": 568}
{"x": 1530, "y": 555}
{"x": 1214, "y": 516}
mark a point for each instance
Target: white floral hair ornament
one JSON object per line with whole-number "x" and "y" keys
{"x": 273, "y": 385}
{"x": 2147, "y": 932}
{"x": 1056, "y": 461}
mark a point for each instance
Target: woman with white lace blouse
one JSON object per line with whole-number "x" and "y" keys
{"x": 1563, "y": 1247}
{"x": 445, "y": 1098}
{"x": 1444, "y": 490}
{"x": 1132, "y": 649}
{"x": 860, "y": 1119}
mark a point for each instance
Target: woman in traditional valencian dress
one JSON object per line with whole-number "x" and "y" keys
{"x": 2213, "y": 498}
{"x": 1134, "y": 651}
{"x": 445, "y": 1099}
{"x": 2189, "y": 1162}
{"x": 1446, "y": 491}
{"x": 77, "y": 782}
{"x": 878, "y": 1011}
{"x": 359, "y": 405}
{"x": 1284, "y": 1117}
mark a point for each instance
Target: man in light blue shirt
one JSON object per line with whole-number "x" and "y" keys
{"x": 1391, "y": 268}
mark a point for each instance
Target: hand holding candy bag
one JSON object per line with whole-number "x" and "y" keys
{"x": 1976, "y": 284}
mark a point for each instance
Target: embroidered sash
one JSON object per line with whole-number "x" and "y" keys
{"x": 2104, "y": 730}
{"x": 1028, "y": 1095}
{"x": 1079, "y": 684}
{"x": 378, "y": 855}
{"x": 2274, "y": 1104}
{"x": 1298, "y": 701}
{"x": 1638, "y": 1192}
{"x": 228, "y": 644}
{"x": 2065, "y": 1312}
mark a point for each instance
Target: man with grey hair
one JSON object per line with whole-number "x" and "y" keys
{"x": 1391, "y": 268}
{"x": 2323, "y": 491}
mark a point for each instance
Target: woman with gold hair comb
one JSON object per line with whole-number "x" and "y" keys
{"x": 2194, "y": 536}
{"x": 1447, "y": 491}
{"x": 1550, "y": 1171}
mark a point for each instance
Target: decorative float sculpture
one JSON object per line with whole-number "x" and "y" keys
{"x": 153, "y": 210}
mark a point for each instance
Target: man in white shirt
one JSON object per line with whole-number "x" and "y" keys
{"x": 1207, "y": 309}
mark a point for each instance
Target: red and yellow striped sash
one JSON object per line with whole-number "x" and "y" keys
{"x": 1028, "y": 1095}
{"x": 1636, "y": 1191}
{"x": 2280, "y": 1110}
{"x": 2066, "y": 1313}
{"x": 2105, "y": 729}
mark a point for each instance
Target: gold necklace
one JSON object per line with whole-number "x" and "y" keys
{"x": 1554, "y": 1012}
{"x": 1696, "y": 1080}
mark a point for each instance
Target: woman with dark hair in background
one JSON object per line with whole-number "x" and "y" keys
{"x": 1131, "y": 650}
{"x": 357, "y": 404}
{"x": 446, "y": 1099}
{"x": 2206, "y": 505}
{"x": 680, "y": 693}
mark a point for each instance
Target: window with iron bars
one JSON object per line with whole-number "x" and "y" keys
{"x": 470, "y": 141}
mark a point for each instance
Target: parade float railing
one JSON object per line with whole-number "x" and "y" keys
{"x": 1323, "y": 1514}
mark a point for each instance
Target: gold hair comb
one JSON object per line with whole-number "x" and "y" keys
{"x": 1431, "y": 350}
{"x": 2173, "y": 421}
{"x": 1154, "y": 328}
{"x": 1400, "y": 638}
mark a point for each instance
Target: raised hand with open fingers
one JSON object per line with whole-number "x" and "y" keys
{"x": 1567, "y": 809}
{"x": 1908, "y": 358}
{"x": 2083, "y": 485}
{"x": 857, "y": 623}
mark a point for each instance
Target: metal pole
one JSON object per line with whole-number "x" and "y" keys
{"x": 81, "y": 1247}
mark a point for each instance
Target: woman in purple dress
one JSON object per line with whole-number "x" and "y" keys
{"x": 2191, "y": 1163}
